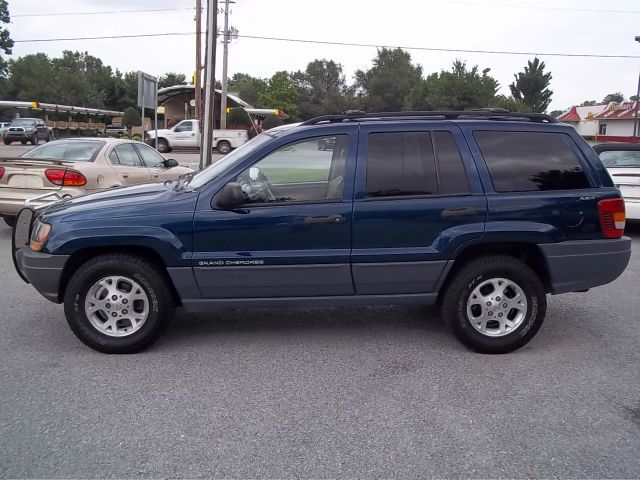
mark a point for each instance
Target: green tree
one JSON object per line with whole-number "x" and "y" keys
{"x": 32, "y": 78}
{"x": 323, "y": 89}
{"x": 633, "y": 98}
{"x": 131, "y": 117}
{"x": 6, "y": 44}
{"x": 247, "y": 87}
{"x": 387, "y": 85}
{"x": 271, "y": 121}
{"x": 532, "y": 86}
{"x": 613, "y": 97}
{"x": 461, "y": 88}
{"x": 238, "y": 117}
{"x": 281, "y": 92}
{"x": 171, "y": 78}
{"x": 588, "y": 103}
{"x": 556, "y": 113}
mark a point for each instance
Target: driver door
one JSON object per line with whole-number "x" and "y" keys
{"x": 184, "y": 134}
{"x": 292, "y": 235}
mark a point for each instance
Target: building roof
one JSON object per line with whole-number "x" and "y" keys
{"x": 579, "y": 113}
{"x": 167, "y": 93}
{"x": 570, "y": 116}
{"x": 621, "y": 111}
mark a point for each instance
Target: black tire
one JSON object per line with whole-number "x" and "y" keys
{"x": 474, "y": 273}
{"x": 163, "y": 146}
{"x": 223, "y": 147}
{"x": 7, "y": 142}
{"x": 35, "y": 139}
{"x": 48, "y": 139}
{"x": 152, "y": 280}
{"x": 9, "y": 220}
{"x": 23, "y": 142}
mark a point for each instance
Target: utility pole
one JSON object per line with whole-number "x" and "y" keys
{"x": 198, "y": 82}
{"x": 210, "y": 83}
{"x": 635, "y": 115}
{"x": 225, "y": 57}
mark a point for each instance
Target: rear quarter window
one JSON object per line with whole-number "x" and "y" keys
{"x": 530, "y": 161}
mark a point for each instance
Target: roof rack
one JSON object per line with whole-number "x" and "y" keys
{"x": 480, "y": 113}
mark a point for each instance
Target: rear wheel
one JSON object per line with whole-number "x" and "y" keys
{"x": 163, "y": 146}
{"x": 35, "y": 139}
{"x": 495, "y": 304}
{"x": 9, "y": 220}
{"x": 224, "y": 147}
{"x": 23, "y": 142}
{"x": 7, "y": 142}
{"x": 118, "y": 303}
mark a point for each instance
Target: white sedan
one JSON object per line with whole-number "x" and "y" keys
{"x": 78, "y": 166}
{"x": 623, "y": 163}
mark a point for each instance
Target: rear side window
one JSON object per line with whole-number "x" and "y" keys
{"x": 401, "y": 164}
{"x": 529, "y": 161}
{"x": 452, "y": 176}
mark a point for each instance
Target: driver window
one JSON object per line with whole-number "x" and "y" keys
{"x": 307, "y": 171}
{"x": 184, "y": 127}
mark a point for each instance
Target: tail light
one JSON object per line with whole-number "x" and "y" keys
{"x": 612, "y": 217}
{"x": 65, "y": 178}
{"x": 1, "y": 172}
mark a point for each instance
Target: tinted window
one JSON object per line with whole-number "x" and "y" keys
{"x": 620, "y": 159}
{"x": 451, "y": 173}
{"x": 306, "y": 171}
{"x": 526, "y": 161}
{"x": 150, "y": 157}
{"x": 76, "y": 151}
{"x": 127, "y": 155}
{"x": 401, "y": 164}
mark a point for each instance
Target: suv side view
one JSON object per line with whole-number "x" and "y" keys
{"x": 483, "y": 213}
{"x": 25, "y": 130}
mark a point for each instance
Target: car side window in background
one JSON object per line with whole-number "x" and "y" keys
{"x": 184, "y": 127}
{"x": 452, "y": 176}
{"x": 150, "y": 157}
{"x": 127, "y": 155}
{"x": 530, "y": 161}
{"x": 401, "y": 164}
{"x": 620, "y": 158}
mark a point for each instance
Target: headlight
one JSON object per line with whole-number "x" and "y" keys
{"x": 39, "y": 236}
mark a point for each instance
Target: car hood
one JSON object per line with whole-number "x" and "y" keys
{"x": 137, "y": 200}
{"x": 161, "y": 132}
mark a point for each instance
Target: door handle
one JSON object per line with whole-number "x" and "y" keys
{"x": 459, "y": 212}
{"x": 316, "y": 219}
{"x": 155, "y": 175}
{"x": 125, "y": 175}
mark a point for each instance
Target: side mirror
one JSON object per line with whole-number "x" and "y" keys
{"x": 229, "y": 197}
{"x": 170, "y": 163}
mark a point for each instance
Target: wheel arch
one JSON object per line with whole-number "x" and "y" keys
{"x": 80, "y": 257}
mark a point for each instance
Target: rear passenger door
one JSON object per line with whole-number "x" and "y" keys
{"x": 418, "y": 197}
{"x": 128, "y": 165}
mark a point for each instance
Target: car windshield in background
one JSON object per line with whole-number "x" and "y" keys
{"x": 76, "y": 151}
{"x": 620, "y": 159}
{"x": 18, "y": 122}
{"x": 221, "y": 165}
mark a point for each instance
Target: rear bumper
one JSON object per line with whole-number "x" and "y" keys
{"x": 580, "y": 265}
{"x": 43, "y": 271}
{"x": 12, "y": 199}
{"x": 632, "y": 208}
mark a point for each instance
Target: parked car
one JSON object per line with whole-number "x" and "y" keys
{"x": 116, "y": 130}
{"x": 187, "y": 134}
{"x": 25, "y": 130}
{"x": 623, "y": 162}
{"x": 74, "y": 167}
{"x": 3, "y": 125}
{"x": 483, "y": 213}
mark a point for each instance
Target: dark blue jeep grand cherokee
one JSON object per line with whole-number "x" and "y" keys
{"x": 483, "y": 213}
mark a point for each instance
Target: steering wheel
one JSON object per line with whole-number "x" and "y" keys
{"x": 256, "y": 186}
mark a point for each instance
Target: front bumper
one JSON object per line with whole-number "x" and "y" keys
{"x": 15, "y": 136}
{"x": 581, "y": 265}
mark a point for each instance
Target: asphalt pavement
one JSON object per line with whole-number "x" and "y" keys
{"x": 327, "y": 392}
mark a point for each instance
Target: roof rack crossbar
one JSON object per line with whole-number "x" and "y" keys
{"x": 485, "y": 114}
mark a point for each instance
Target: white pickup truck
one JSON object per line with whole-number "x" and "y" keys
{"x": 187, "y": 134}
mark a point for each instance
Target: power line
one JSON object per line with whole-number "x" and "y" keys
{"x": 111, "y": 12}
{"x": 537, "y": 7}
{"x": 347, "y": 44}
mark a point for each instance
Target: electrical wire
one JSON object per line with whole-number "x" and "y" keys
{"x": 537, "y": 7}
{"x": 348, "y": 44}
{"x": 112, "y": 12}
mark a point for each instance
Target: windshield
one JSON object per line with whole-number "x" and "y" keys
{"x": 75, "y": 151}
{"x": 22, "y": 122}
{"x": 226, "y": 162}
{"x": 620, "y": 159}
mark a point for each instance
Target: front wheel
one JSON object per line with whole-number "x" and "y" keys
{"x": 495, "y": 304}
{"x": 118, "y": 303}
{"x": 7, "y": 142}
{"x": 23, "y": 142}
{"x": 34, "y": 140}
{"x": 163, "y": 146}
{"x": 224, "y": 147}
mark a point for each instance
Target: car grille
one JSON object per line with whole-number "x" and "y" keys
{"x": 16, "y": 129}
